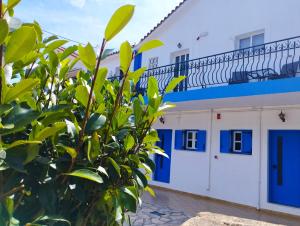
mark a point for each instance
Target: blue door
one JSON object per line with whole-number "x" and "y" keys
{"x": 284, "y": 167}
{"x": 163, "y": 164}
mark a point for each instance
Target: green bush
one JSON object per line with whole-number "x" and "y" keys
{"x": 73, "y": 151}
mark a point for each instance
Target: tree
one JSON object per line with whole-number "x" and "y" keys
{"x": 73, "y": 151}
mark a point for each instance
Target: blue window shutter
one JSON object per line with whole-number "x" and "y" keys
{"x": 247, "y": 141}
{"x": 137, "y": 65}
{"x": 137, "y": 62}
{"x": 226, "y": 141}
{"x": 179, "y": 139}
{"x": 201, "y": 140}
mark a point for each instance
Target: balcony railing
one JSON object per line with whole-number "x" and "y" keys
{"x": 270, "y": 61}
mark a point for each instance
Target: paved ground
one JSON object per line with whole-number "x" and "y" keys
{"x": 173, "y": 208}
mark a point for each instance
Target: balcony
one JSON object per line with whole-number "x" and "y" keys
{"x": 267, "y": 62}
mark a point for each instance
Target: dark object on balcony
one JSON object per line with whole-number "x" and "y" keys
{"x": 287, "y": 71}
{"x": 290, "y": 70}
{"x": 239, "y": 77}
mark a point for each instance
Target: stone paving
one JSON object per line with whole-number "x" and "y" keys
{"x": 154, "y": 215}
{"x": 174, "y": 209}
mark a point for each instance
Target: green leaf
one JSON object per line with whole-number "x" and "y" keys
{"x": 136, "y": 75}
{"x": 150, "y": 191}
{"x": 22, "y": 142}
{"x": 54, "y": 45}
{"x": 71, "y": 151}
{"x": 118, "y": 21}
{"x": 50, "y": 131}
{"x": 22, "y": 41}
{"x": 131, "y": 190}
{"x": 12, "y": 3}
{"x": 3, "y": 30}
{"x": 5, "y": 108}
{"x": 101, "y": 76}
{"x": 22, "y": 87}
{"x": 94, "y": 150}
{"x": 87, "y": 174}
{"x": 82, "y": 95}
{"x": 151, "y": 138}
{"x": 87, "y": 56}
{"x": 115, "y": 166}
{"x": 125, "y": 57}
{"x": 102, "y": 170}
{"x": 53, "y": 219}
{"x": 152, "y": 90}
{"x": 159, "y": 152}
{"x": 138, "y": 111}
{"x": 21, "y": 153}
{"x": 141, "y": 178}
{"x": 68, "y": 51}
{"x": 172, "y": 85}
{"x": 95, "y": 122}
{"x": 150, "y": 45}
{"x": 19, "y": 117}
{"x": 129, "y": 142}
{"x": 53, "y": 62}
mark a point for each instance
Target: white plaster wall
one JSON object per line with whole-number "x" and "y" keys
{"x": 236, "y": 178}
{"x": 111, "y": 63}
{"x": 189, "y": 170}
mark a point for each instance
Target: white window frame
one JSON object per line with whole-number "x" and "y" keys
{"x": 235, "y": 141}
{"x": 248, "y": 35}
{"x": 193, "y": 140}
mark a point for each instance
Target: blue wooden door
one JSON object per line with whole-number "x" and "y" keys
{"x": 163, "y": 164}
{"x": 284, "y": 167}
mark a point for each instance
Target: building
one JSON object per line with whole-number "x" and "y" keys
{"x": 235, "y": 133}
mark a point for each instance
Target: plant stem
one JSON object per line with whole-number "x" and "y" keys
{"x": 50, "y": 92}
{"x": 117, "y": 102}
{"x": 12, "y": 191}
{"x": 1, "y": 56}
{"x": 87, "y": 111}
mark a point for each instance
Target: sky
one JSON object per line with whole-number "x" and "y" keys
{"x": 85, "y": 20}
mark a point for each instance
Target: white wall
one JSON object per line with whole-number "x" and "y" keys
{"x": 189, "y": 170}
{"x": 223, "y": 21}
{"x": 236, "y": 178}
{"x": 111, "y": 62}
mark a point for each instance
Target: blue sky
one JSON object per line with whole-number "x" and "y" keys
{"x": 85, "y": 20}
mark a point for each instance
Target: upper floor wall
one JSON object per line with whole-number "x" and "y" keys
{"x": 205, "y": 27}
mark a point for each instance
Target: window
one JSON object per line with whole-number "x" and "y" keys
{"x": 236, "y": 141}
{"x": 191, "y": 140}
{"x": 255, "y": 40}
{"x": 153, "y": 63}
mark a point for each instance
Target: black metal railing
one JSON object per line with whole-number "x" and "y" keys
{"x": 270, "y": 61}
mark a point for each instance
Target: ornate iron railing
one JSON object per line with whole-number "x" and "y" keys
{"x": 270, "y": 61}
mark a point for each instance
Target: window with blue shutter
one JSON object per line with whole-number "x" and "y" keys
{"x": 247, "y": 142}
{"x": 190, "y": 140}
{"x": 201, "y": 141}
{"x": 236, "y": 141}
{"x": 226, "y": 141}
{"x": 179, "y": 139}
